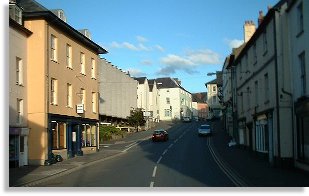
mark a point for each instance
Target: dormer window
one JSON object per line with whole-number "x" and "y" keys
{"x": 16, "y": 13}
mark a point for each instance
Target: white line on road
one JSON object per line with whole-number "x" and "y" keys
{"x": 170, "y": 146}
{"x": 154, "y": 171}
{"x": 176, "y": 141}
{"x": 165, "y": 151}
{"x": 159, "y": 160}
{"x": 151, "y": 184}
{"x": 131, "y": 146}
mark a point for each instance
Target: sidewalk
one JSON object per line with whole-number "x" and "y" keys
{"x": 32, "y": 175}
{"x": 254, "y": 168}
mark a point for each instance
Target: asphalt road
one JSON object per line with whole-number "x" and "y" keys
{"x": 185, "y": 160}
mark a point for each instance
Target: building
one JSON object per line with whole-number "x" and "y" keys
{"x": 118, "y": 92}
{"x": 18, "y": 86}
{"x": 213, "y": 101}
{"x": 143, "y": 93}
{"x": 175, "y": 102}
{"x": 62, "y": 89}
{"x": 199, "y": 106}
{"x": 153, "y": 101}
{"x": 298, "y": 36}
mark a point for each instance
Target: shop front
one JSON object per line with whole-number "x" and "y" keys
{"x": 71, "y": 136}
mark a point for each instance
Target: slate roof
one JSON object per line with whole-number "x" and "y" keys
{"x": 199, "y": 97}
{"x": 151, "y": 84}
{"x": 168, "y": 83}
{"x": 141, "y": 80}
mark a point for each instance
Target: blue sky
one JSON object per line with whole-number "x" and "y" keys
{"x": 184, "y": 39}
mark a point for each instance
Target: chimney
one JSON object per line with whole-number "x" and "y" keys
{"x": 261, "y": 17}
{"x": 249, "y": 29}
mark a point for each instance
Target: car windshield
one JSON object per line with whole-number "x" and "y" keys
{"x": 205, "y": 126}
{"x": 158, "y": 132}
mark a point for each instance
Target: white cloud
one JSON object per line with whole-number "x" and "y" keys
{"x": 189, "y": 62}
{"x": 136, "y": 72}
{"x": 233, "y": 43}
{"x": 146, "y": 62}
{"x": 141, "y": 39}
{"x": 160, "y": 48}
{"x": 130, "y": 46}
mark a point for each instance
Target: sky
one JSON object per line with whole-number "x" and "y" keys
{"x": 184, "y": 39}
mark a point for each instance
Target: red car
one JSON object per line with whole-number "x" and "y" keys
{"x": 159, "y": 135}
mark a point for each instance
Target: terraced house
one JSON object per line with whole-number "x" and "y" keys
{"x": 62, "y": 78}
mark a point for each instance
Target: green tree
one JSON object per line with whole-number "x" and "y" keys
{"x": 136, "y": 118}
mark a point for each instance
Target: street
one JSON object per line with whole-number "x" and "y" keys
{"x": 185, "y": 160}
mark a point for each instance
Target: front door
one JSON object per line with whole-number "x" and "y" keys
{"x": 23, "y": 150}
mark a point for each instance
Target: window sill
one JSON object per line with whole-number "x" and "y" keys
{"x": 71, "y": 68}
{"x": 54, "y": 60}
{"x": 300, "y": 33}
{"x": 266, "y": 102}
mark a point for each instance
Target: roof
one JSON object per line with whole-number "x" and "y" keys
{"x": 33, "y": 10}
{"x": 199, "y": 97}
{"x": 141, "y": 80}
{"x": 168, "y": 82}
{"x": 151, "y": 84}
{"x": 218, "y": 80}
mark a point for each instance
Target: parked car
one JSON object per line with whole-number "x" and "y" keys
{"x": 159, "y": 135}
{"x": 186, "y": 119}
{"x": 204, "y": 130}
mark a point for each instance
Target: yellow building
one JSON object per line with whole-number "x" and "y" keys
{"x": 62, "y": 78}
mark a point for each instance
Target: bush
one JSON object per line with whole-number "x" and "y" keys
{"x": 107, "y": 132}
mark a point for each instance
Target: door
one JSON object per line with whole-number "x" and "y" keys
{"x": 23, "y": 150}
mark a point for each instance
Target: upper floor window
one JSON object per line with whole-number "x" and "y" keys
{"x": 82, "y": 63}
{"x": 69, "y": 55}
{"x": 214, "y": 89}
{"x": 20, "y": 111}
{"x": 256, "y": 92}
{"x": 53, "y": 48}
{"x": 264, "y": 42}
{"x": 53, "y": 91}
{"x": 266, "y": 87}
{"x": 300, "y": 18}
{"x": 302, "y": 63}
{"x": 254, "y": 54}
{"x": 93, "y": 68}
{"x": 19, "y": 71}
{"x": 94, "y": 102}
{"x": 168, "y": 101}
{"x": 69, "y": 95}
{"x": 83, "y": 97}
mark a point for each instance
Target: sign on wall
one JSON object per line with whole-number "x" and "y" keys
{"x": 80, "y": 108}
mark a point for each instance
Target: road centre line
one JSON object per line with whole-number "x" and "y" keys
{"x": 170, "y": 146}
{"x": 165, "y": 151}
{"x": 154, "y": 171}
{"x": 159, "y": 160}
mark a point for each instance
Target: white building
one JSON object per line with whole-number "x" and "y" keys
{"x": 213, "y": 101}
{"x": 153, "y": 100}
{"x": 175, "y": 102}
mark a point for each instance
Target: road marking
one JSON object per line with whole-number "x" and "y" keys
{"x": 176, "y": 141}
{"x": 130, "y": 146}
{"x": 159, "y": 160}
{"x": 154, "y": 171}
{"x": 151, "y": 184}
{"x": 232, "y": 175}
{"x": 170, "y": 146}
{"x": 165, "y": 151}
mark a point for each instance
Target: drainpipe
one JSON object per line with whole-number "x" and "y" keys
{"x": 277, "y": 85}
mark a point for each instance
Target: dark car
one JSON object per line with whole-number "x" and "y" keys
{"x": 159, "y": 135}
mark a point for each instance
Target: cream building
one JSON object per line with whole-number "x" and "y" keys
{"x": 18, "y": 86}
{"x": 63, "y": 91}
{"x": 153, "y": 100}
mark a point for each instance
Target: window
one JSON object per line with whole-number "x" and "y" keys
{"x": 254, "y": 54}
{"x": 264, "y": 42}
{"x": 167, "y": 112}
{"x": 69, "y": 56}
{"x": 18, "y": 15}
{"x": 82, "y": 63}
{"x": 302, "y": 73}
{"x": 94, "y": 102}
{"x": 93, "y": 68}
{"x": 214, "y": 89}
{"x": 19, "y": 71}
{"x": 53, "y": 91}
{"x": 69, "y": 95}
{"x": 256, "y": 93}
{"x": 168, "y": 101}
{"x": 266, "y": 88}
{"x": 59, "y": 139}
{"x": 53, "y": 48}
{"x": 20, "y": 111}
{"x": 240, "y": 70}
{"x": 83, "y": 97}
{"x": 248, "y": 98}
{"x": 300, "y": 18}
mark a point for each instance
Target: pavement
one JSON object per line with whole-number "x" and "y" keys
{"x": 253, "y": 169}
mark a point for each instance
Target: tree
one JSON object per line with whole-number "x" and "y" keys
{"x": 136, "y": 118}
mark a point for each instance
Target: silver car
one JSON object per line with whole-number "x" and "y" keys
{"x": 204, "y": 130}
